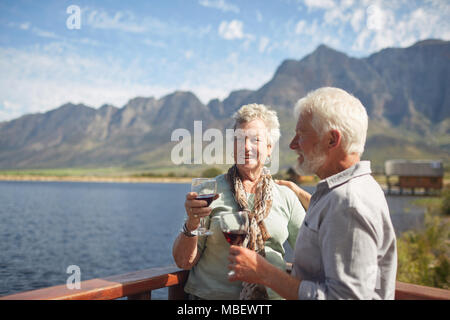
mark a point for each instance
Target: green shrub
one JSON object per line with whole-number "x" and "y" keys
{"x": 423, "y": 256}
{"x": 211, "y": 172}
{"x": 446, "y": 202}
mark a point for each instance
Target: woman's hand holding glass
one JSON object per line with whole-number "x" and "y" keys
{"x": 197, "y": 208}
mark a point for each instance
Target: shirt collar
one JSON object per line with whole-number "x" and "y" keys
{"x": 358, "y": 169}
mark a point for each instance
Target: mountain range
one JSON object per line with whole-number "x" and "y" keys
{"x": 406, "y": 92}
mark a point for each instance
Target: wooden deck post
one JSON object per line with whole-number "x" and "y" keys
{"x": 141, "y": 296}
{"x": 177, "y": 293}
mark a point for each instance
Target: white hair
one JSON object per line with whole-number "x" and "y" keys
{"x": 255, "y": 111}
{"x": 335, "y": 109}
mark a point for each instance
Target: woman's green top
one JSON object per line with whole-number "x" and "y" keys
{"x": 208, "y": 279}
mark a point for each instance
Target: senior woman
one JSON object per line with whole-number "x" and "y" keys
{"x": 275, "y": 213}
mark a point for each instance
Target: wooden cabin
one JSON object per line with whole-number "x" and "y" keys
{"x": 413, "y": 174}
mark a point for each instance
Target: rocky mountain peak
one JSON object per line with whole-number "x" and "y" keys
{"x": 400, "y": 87}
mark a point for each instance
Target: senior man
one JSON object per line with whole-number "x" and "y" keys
{"x": 346, "y": 247}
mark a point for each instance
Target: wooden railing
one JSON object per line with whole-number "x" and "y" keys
{"x": 408, "y": 291}
{"x": 139, "y": 285}
{"x": 136, "y": 286}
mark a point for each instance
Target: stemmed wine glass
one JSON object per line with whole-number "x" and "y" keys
{"x": 235, "y": 227}
{"x": 206, "y": 190}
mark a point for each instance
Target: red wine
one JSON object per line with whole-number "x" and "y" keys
{"x": 235, "y": 237}
{"x": 207, "y": 197}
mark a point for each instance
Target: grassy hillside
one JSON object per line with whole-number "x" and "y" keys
{"x": 383, "y": 143}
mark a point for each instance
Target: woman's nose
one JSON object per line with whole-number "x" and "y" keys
{"x": 248, "y": 145}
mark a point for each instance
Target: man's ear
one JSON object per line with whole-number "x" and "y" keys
{"x": 334, "y": 139}
{"x": 269, "y": 150}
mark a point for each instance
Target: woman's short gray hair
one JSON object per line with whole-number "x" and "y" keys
{"x": 336, "y": 109}
{"x": 255, "y": 111}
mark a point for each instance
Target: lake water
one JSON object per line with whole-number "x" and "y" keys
{"x": 104, "y": 228}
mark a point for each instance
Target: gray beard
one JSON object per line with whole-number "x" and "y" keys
{"x": 310, "y": 166}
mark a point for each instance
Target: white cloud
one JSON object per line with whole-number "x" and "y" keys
{"x": 336, "y": 16}
{"x": 88, "y": 41}
{"x": 219, "y": 4}
{"x": 305, "y": 28}
{"x": 347, "y": 3}
{"x": 216, "y": 79}
{"x": 360, "y": 42}
{"x": 10, "y": 110}
{"x": 377, "y": 17}
{"x": 376, "y": 24}
{"x": 154, "y": 43}
{"x": 40, "y": 79}
{"x": 263, "y": 43}
{"x": 231, "y": 30}
{"x": 386, "y": 28}
{"x": 300, "y": 27}
{"x": 35, "y": 30}
{"x": 440, "y": 6}
{"x": 44, "y": 34}
{"x": 25, "y": 26}
{"x": 357, "y": 20}
{"x": 198, "y": 32}
{"x": 188, "y": 54}
{"x": 319, "y": 4}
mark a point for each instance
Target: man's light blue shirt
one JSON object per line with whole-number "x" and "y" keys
{"x": 346, "y": 246}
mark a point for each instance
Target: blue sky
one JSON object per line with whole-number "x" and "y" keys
{"x": 125, "y": 49}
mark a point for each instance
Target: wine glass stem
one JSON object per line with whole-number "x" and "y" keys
{"x": 202, "y": 223}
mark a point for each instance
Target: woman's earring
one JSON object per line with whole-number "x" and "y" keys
{"x": 268, "y": 160}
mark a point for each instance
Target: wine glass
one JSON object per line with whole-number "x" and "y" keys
{"x": 235, "y": 227}
{"x": 206, "y": 190}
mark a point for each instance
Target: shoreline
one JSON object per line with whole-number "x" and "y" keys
{"x": 129, "y": 179}
{"x": 100, "y": 179}
{"x": 95, "y": 179}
